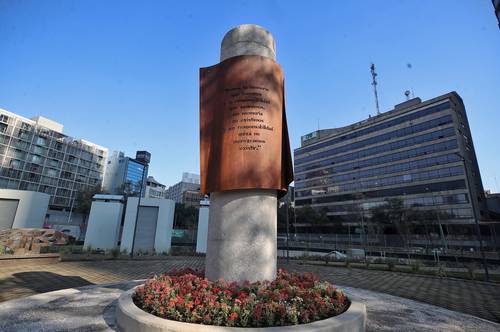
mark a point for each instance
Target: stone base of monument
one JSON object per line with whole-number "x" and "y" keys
{"x": 130, "y": 318}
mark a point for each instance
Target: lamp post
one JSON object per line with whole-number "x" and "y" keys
{"x": 137, "y": 209}
{"x": 287, "y": 235}
{"x": 478, "y": 229}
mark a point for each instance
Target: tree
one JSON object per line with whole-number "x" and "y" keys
{"x": 395, "y": 216}
{"x": 83, "y": 203}
{"x": 309, "y": 215}
{"x": 186, "y": 217}
{"x": 83, "y": 199}
{"x": 282, "y": 210}
{"x": 398, "y": 217}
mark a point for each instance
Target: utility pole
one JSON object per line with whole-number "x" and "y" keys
{"x": 287, "y": 235}
{"x": 137, "y": 211}
{"x": 374, "y": 83}
{"x": 142, "y": 158}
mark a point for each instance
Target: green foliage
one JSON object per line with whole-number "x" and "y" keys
{"x": 65, "y": 250}
{"x": 186, "y": 217}
{"x": 471, "y": 270}
{"x": 308, "y": 215}
{"x": 290, "y": 299}
{"x": 83, "y": 200}
{"x": 415, "y": 266}
{"x": 6, "y": 250}
{"x": 391, "y": 264}
{"x": 441, "y": 271}
{"x": 181, "y": 251}
{"x": 282, "y": 210}
{"x": 115, "y": 252}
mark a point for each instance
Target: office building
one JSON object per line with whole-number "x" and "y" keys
{"x": 154, "y": 189}
{"x": 493, "y": 203}
{"x": 420, "y": 153}
{"x": 35, "y": 155}
{"x": 190, "y": 183}
{"x": 496, "y": 5}
{"x": 125, "y": 175}
{"x": 192, "y": 198}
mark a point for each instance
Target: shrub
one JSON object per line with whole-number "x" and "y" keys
{"x": 65, "y": 250}
{"x": 471, "y": 270}
{"x": 115, "y": 252}
{"x": 290, "y": 299}
{"x": 441, "y": 271}
{"x": 415, "y": 266}
{"x": 5, "y": 250}
{"x": 181, "y": 251}
{"x": 391, "y": 264}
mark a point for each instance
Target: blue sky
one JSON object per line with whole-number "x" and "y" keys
{"x": 124, "y": 74}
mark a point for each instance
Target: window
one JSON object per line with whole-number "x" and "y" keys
{"x": 36, "y": 159}
{"x": 41, "y": 141}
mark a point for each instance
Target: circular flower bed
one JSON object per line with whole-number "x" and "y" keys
{"x": 291, "y": 299}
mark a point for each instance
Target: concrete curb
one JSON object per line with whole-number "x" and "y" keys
{"x": 131, "y": 318}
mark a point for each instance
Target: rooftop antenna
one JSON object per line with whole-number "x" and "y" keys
{"x": 407, "y": 94}
{"x": 374, "y": 83}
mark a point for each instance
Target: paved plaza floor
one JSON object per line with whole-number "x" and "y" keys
{"x": 21, "y": 278}
{"x": 92, "y": 308}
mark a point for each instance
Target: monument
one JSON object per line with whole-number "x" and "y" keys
{"x": 245, "y": 156}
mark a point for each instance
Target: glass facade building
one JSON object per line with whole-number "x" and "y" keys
{"x": 35, "y": 155}
{"x": 135, "y": 177}
{"x": 125, "y": 175}
{"x": 419, "y": 152}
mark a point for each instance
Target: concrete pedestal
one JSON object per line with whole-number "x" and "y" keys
{"x": 242, "y": 243}
{"x": 242, "y": 235}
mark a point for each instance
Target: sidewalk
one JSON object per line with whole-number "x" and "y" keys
{"x": 27, "y": 277}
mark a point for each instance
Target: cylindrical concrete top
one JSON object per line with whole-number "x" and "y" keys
{"x": 248, "y": 39}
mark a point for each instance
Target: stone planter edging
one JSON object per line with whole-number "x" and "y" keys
{"x": 131, "y": 318}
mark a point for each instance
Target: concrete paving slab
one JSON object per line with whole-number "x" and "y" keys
{"x": 92, "y": 308}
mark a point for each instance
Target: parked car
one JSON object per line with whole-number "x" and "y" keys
{"x": 338, "y": 255}
{"x": 417, "y": 250}
{"x": 355, "y": 253}
{"x": 438, "y": 251}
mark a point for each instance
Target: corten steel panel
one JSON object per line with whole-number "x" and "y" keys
{"x": 243, "y": 131}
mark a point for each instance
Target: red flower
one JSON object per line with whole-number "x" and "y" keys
{"x": 290, "y": 299}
